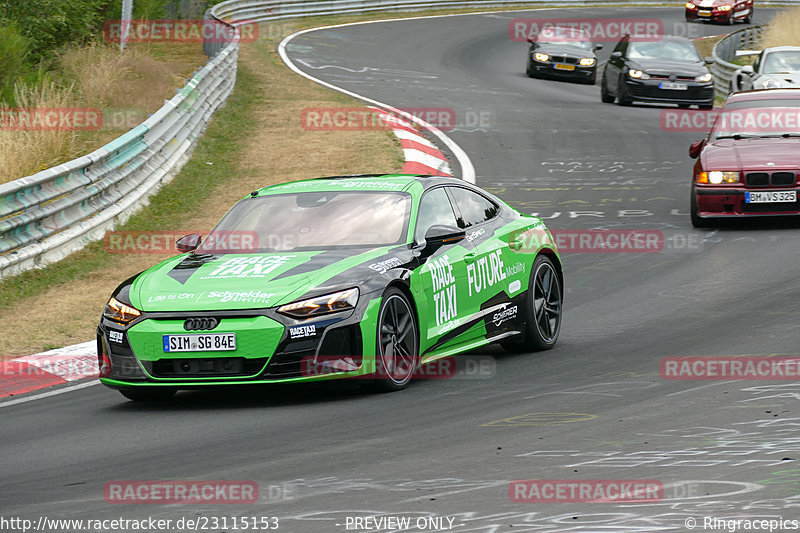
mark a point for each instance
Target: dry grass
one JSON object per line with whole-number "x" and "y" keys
{"x": 124, "y": 86}
{"x": 27, "y": 151}
{"x": 277, "y": 150}
{"x": 783, "y": 29}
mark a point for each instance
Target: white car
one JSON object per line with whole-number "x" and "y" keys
{"x": 776, "y": 68}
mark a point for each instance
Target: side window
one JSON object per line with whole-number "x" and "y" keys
{"x": 435, "y": 208}
{"x": 474, "y": 208}
{"x": 758, "y": 62}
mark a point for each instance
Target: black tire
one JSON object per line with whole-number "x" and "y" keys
{"x": 605, "y": 96}
{"x": 706, "y": 106}
{"x": 749, "y": 18}
{"x": 622, "y": 94}
{"x": 148, "y": 394}
{"x": 543, "y": 309}
{"x": 397, "y": 335}
{"x": 684, "y": 106}
{"x": 731, "y": 21}
{"x": 697, "y": 222}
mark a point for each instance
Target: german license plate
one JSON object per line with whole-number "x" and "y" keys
{"x": 200, "y": 342}
{"x": 673, "y": 86}
{"x": 562, "y": 66}
{"x": 766, "y": 197}
{"x": 704, "y": 13}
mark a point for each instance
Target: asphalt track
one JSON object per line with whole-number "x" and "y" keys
{"x": 595, "y": 407}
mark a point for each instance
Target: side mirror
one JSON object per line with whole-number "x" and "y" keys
{"x": 616, "y": 54}
{"x": 531, "y": 40}
{"x": 438, "y": 236}
{"x": 188, "y": 243}
{"x": 709, "y": 60}
{"x": 748, "y": 69}
{"x": 598, "y": 47}
{"x": 696, "y": 148}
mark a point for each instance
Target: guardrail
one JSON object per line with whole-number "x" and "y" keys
{"x": 52, "y": 213}
{"x": 725, "y": 51}
{"x": 48, "y": 215}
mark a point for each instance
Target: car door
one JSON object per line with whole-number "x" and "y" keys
{"x": 438, "y": 283}
{"x": 615, "y": 65}
{"x": 491, "y": 266}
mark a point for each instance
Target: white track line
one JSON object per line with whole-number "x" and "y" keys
{"x": 467, "y": 170}
{"x": 26, "y": 399}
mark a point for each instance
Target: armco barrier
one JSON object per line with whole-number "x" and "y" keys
{"x": 52, "y": 213}
{"x": 48, "y": 215}
{"x": 725, "y": 51}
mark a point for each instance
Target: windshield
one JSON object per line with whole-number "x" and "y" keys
{"x": 761, "y": 120}
{"x": 781, "y": 62}
{"x": 311, "y": 221}
{"x": 564, "y": 36}
{"x": 670, "y": 50}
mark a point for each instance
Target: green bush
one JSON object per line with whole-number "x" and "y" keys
{"x": 14, "y": 51}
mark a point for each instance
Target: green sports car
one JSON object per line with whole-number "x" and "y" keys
{"x": 342, "y": 277}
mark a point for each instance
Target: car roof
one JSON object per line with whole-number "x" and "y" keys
{"x": 651, "y": 39}
{"x": 782, "y": 49}
{"x": 359, "y": 182}
{"x": 769, "y": 94}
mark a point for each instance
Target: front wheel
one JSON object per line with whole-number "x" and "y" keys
{"x": 543, "y": 304}
{"x": 397, "y": 347}
{"x": 697, "y": 222}
{"x": 749, "y": 18}
{"x": 622, "y": 94}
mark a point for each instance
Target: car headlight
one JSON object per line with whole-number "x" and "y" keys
{"x": 120, "y": 312}
{"x": 716, "y": 177}
{"x": 587, "y": 61}
{"x": 704, "y": 77}
{"x": 724, "y": 8}
{"x": 690, "y": 5}
{"x": 321, "y": 305}
{"x": 638, "y": 75}
{"x": 538, "y": 56}
{"x": 769, "y": 83}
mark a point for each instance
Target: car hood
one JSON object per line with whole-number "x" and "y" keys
{"x": 751, "y": 154}
{"x": 244, "y": 281}
{"x": 787, "y": 81}
{"x": 663, "y": 67}
{"x": 565, "y": 50}
{"x": 713, "y": 3}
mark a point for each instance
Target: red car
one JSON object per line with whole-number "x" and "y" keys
{"x": 749, "y": 165}
{"x": 724, "y": 11}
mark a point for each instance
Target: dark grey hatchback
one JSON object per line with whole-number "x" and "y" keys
{"x": 666, "y": 70}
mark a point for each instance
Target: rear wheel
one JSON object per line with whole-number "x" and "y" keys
{"x": 148, "y": 395}
{"x": 397, "y": 347}
{"x": 543, "y": 303}
{"x": 749, "y": 18}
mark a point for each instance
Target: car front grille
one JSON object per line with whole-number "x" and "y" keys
{"x": 564, "y": 59}
{"x": 764, "y": 179}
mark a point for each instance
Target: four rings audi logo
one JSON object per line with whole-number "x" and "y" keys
{"x": 198, "y": 324}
